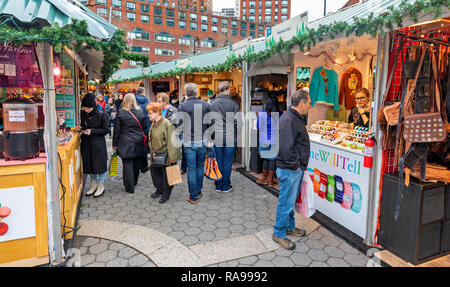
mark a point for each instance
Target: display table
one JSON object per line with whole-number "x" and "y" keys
{"x": 334, "y": 162}
{"x": 23, "y": 190}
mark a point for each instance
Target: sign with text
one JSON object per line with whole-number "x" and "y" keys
{"x": 183, "y": 63}
{"x": 242, "y": 47}
{"x": 341, "y": 185}
{"x": 287, "y": 30}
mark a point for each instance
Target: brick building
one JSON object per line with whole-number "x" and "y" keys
{"x": 267, "y": 11}
{"x": 165, "y": 32}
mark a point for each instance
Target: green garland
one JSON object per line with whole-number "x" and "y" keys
{"x": 75, "y": 36}
{"x": 371, "y": 25}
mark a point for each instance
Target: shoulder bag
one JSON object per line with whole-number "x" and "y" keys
{"x": 159, "y": 159}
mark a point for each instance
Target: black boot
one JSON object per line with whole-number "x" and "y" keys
{"x": 156, "y": 194}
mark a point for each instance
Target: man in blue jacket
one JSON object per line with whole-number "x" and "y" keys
{"x": 292, "y": 161}
{"x": 143, "y": 101}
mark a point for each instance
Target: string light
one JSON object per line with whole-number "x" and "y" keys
{"x": 329, "y": 58}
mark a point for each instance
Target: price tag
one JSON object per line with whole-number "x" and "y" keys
{"x": 16, "y": 116}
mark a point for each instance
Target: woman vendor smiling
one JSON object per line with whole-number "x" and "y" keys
{"x": 360, "y": 114}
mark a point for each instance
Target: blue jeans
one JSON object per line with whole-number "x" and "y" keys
{"x": 290, "y": 181}
{"x": 195, "y": 160}
{"x": 98, "y": 177}
{"x": 224, "y": 157}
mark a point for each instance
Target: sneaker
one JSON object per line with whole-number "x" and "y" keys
{"x": 191, "y": 201}
{"x": 296, "y": 232}
{"x": 200, "y": 196}
{"x": 228, "y": 190}
{"x": 100, "y": 191}
{"x": 284, "y": 242}
{"x": 218, "y": 191}
{"x": 92, "y": 189}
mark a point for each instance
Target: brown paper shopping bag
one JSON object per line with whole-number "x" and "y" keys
{"x": 173, "y": 175}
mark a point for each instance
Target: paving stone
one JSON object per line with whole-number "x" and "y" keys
{"x": 263, "y": 263}
{"x": 210, "y": 220}
{"x": 331, "y": 241}
{"x": 83, "y": 250}
{"x": 322, "y": 230}
{"x": 116, "y": 246}
{"x": 283, "y": 252}
{"x": 192, "y": 231}
{"x": 313, "y": 243}
{"x": 251, "y": 224}
{"x": 334, "y": 251}
{"x": 356, "y": 260}
{"x": 221, "y": 232}
{"x": 315, "y": 235}
{"x": 177, "y": 235}
{"x": 96, "y": 264}
{"x": 318, "y": 264}
{"x": 300, "y": 259}
{"x": 127, "y": 253}
{"x": 87, "y": 259}
{"x": 189, "y": 240}
{"x": 149, "y": 264}
{"x": 168, "y": 222}
{"x": 205, "y": 236}
{"x": 237, "y": 220}
{"x": 89, "y": 241}
{"x": 207, "y": 227}
{"x": 248, "y": 260}
{"x": 318, "y": 255}
{"x": 281, "y": 261}
{"x": 236, "y": 228}
{"x": 98, "y": 248}
{"x": 117, "y": 262}
{"x": 267, "y": 256}
{"x": 348, "y": 249}
{"x": 301, "y": 247}
{"x": 336, "y": 262}
{"x": 138, "y": 260}
{"x": 106, "y": 256}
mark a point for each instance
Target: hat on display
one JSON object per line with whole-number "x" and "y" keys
{"x": 89, "y": 101}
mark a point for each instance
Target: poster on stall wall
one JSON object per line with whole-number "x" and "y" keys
{"x": 18, "y": 67}
{"x": 17, "y": 213}
{"x": 341, "y": 186}
{"x": 65, "y": 92}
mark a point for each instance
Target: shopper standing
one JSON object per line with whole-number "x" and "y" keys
{"x": 160, "y": 142}
{"x": 168, "y": 111}
{"x": 143, "y": 102}
{"x": 129, "y": 141}
{"x": 192, "y": 113}
{"x": 268, "y": 139}
{"x": 93, "y": 128}
{"x": 111, "y": 112}
{"x": 225, "y": 135}
{"x": 101, "y": 102}
{"x": 292, "y": 161}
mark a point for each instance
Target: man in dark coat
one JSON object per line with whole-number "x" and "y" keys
{"x": 128, "y": 139}
{"x": 94, "y": 127}
{"x": 143, "y": 102}
{"x": 292, "y": 161}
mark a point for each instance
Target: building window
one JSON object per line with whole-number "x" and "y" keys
{"x": 243, "y": 33}
{"x": 145, "y": 18}
{"x": 284, "y": 17}
{"x": 131, "y": 16}
{"x": 101, "y": 11}
{"x": 193, "y": 17}
{"x": 214, "y": 29}
{"x": 269, "y": 3}
{"x": 157, "y": 10}
{"x": 117, "y": 14}
{"x": 204, "y": 28}
{"x": 268, "y": 11}
{"x": 193, "y": 26}
{"x": 284, "y": 10}
{"x": 234, "y": 32}
{"x": 170, "y": 22}
{"x": 209, "y": 43}
{"x": 260, "y": 35}
{"x": 181, "y": 14}
{"x": 276, "y": 18}
{"x": 131, "y": 6}
{"x": 251, "y": 11}
{"x": 116, "y": 3}
{"x": 243, "y": 25}
{"x": 225, "y": 30}
{"x": 134, "y": 63}
{"x": 252, "y": 26}
{"x": 145, "y": 8}
{"x": 204, "y": 19}
{"x": 261, "y": 28}
{"x": 184, "y": 53}
{"x": 243, "y": 11}
{"x": 101, "y": 2}
{"x": 268, "y": 18}
{"x": 252, "y": 4}
{"x": 284, "y": 3}
{"x": 157, "y": 20}
{"x": 170, "y": 12}
{"x": 252, "y": 34}
{"x": 164, "y": 37}
{"x": 224, "y": 22}
{"x": 165, "y": 52}
{"x": 234, "y": 24}
{"x": 244, "y": 4}
{"x": 185, "y": 40}
{"x": 181, "y": 24}
{"x": 140, "y": 49}
{"x": 139, "y": 34}
{"x": 259, "y": 18}
{"x": 251, "y": 18}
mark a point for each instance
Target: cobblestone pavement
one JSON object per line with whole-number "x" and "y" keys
{"x": 247, "y": 211}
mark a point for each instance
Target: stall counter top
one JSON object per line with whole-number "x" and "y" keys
{"x": 316, "y": 138}
{"x": 41, "y": 159}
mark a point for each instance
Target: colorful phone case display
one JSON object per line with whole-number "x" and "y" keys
{"x": 339, "y": 192}
{"x": 348, "y": 195}
{"x": 323, "y": 185}
{"x": 316, "y": 180}
{"x": 330, "y": 188}
{"x": 356, "y": 206}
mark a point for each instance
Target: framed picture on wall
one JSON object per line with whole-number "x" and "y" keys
{"x": 218, "y": 81}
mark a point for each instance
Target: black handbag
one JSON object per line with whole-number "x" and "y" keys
{"x": 159, "y": 159}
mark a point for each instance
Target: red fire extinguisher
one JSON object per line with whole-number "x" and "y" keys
{"x": 368, "y": 153}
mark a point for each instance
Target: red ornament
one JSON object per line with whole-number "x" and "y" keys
{"x": 4, "y": 211}
{"x": 3, "y": 228}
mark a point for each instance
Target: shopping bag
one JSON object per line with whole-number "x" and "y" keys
{"x": 113, "y": 164}
{"x": 211, "y": 167}
{"x": 305, "y": 201}
{"x": 173, "y": 175}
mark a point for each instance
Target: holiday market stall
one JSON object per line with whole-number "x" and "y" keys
{"x": 43, "y": 72}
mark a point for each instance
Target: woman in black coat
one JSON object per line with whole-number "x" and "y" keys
{"x": 94, "y": 127}
{"x": 129, "y": 141}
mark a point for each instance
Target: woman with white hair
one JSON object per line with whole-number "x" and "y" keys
{"x": 129, "y": 139}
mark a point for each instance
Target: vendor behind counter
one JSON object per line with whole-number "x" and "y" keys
{"x": 360, "y": 115}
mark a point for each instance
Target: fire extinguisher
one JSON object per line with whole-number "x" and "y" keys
{"x": 368, "y": 153}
